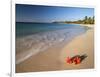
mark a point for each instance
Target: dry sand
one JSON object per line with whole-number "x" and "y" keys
{"x": 54, "y": 58}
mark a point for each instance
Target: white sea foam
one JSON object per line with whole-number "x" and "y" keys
{"x": 33, "y": 44}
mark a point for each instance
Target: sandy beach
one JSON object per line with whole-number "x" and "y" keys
{"x": 54, "y": 58}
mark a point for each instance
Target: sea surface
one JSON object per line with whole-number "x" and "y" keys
{"x": 32, "y": 38}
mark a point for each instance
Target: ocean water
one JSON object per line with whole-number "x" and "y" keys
{"x": 24, "y": 29}
{"x": 32, "y": 38}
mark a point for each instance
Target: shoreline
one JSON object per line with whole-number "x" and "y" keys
{"x": 54, "y": 58}
{"x": 88, "y": 25}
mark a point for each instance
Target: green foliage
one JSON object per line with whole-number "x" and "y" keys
{"x": 85, "y": 20}
{"x": 88, "y": 20}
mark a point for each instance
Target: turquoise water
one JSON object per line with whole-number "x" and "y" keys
{"x": 24, "y": 29}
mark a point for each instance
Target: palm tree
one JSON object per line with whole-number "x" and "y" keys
{"x": 85, "y": 20}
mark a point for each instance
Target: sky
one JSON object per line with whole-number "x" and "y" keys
{"x": 39, "y": 13}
